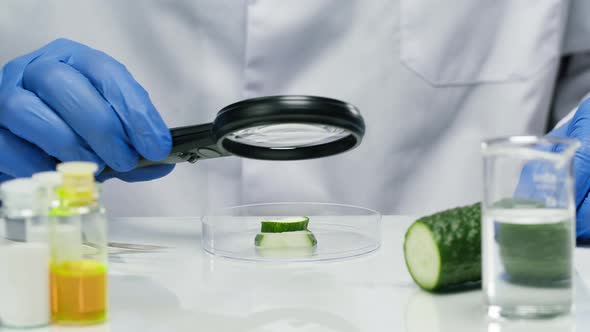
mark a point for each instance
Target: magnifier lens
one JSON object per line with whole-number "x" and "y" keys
{"x": 288, "y": 135}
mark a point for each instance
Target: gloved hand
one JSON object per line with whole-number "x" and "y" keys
{"x": 579, "y": 128}
{"x": 65, "y": 102}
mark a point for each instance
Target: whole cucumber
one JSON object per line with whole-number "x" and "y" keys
{"x": 444, "y": 249}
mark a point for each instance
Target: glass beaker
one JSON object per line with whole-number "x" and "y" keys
{"x": 528, "y": 226}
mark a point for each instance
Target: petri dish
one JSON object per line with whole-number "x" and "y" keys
{"x": 340, "y": 231}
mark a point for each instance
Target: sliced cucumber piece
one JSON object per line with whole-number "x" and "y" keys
{"x": 297, "y": 239}
{"x": 291, "y": 224}
{"x": 296, "y": 244}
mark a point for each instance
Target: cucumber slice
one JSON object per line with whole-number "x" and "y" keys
{"x": 286, "y": 245}
{"x": 444, "y": 249}
{"x": 296, "y": 239}
{"x": 291, "y": 224}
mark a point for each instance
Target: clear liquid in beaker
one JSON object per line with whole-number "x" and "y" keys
{"x": 527, "y": 261}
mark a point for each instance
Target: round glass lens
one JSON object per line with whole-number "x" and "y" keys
{"x": 288, "y": 135}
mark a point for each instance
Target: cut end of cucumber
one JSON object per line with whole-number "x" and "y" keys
{"x": 422, "y": 256}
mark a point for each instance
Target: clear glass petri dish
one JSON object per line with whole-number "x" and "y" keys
{"x": 340, "y": 231}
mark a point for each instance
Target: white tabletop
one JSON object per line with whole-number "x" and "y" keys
{"x": 184, "y": 289}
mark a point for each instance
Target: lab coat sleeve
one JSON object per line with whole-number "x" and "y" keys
{"x": 573, "y": 82}
{"x": 577, "y": 33}
{"x": 571, "y": 113}
{"x": 571, "y": 88}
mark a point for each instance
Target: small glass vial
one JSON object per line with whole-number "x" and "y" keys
{"x": 78, "y": 239}
{"x": 24, "y": 257}
{"x": 48, "y": 183}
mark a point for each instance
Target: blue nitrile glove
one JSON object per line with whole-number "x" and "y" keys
{"x": 66, "y": 102}
{"x": 579, "y": 128}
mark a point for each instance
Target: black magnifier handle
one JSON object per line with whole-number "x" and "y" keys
{"x": 189, "y": 144}
{"x": 192, "y": 143}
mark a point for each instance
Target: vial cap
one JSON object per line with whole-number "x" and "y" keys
{"x": 78, "y": 187}
{"x": 77, "y": 168}
{"x": 19, "y": 193}
{"x": 49, "y": 179}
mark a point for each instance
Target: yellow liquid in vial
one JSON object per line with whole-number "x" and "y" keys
{"x": 78, "y": 292}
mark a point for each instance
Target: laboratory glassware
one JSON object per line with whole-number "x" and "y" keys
{"x": 78, "y": 239}
{"x": 340, "y": 231}
{"x": 528, "y": 226}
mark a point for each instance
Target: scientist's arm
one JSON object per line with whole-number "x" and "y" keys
{"x": 66, "y": 101}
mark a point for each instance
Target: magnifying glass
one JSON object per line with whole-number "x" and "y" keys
{"x": 270, "y": 128}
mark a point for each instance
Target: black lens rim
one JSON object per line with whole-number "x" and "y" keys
{"x": 288, "y": 109}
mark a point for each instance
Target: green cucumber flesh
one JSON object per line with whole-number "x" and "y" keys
{"x": 281, "y": 225}
{"x": 424, "y": 260}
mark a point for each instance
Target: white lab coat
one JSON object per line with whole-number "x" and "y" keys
{"x": 432, "y": 79}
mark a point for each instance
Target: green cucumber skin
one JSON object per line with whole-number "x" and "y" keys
{"x": 258, "y": 239}
{"x": 314, "y": 241}
{"x": 457, "y": 233}
{"x": 274, "y": 227}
